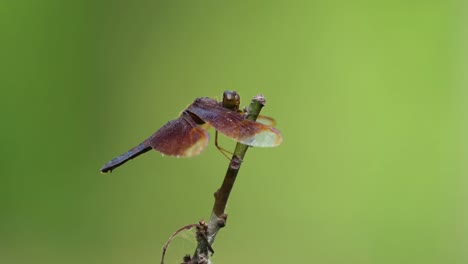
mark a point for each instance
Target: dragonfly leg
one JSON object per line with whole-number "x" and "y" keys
{"x": 222, "y": 150}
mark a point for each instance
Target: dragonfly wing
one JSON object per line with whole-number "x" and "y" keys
{"x": 234, "y": 125}
{"x": 180, "y": 138}
{"x": 266, "y": 120}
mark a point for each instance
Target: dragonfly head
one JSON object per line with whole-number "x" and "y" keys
{"x": 231, "y": 100}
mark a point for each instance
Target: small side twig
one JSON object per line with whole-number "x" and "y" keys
{"x": 168, "y": 242}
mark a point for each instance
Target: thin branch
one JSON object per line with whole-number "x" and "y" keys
{"x": 218, "y": 217}
{"x": 168, "y": 242}
{"x": 222, "y": 195}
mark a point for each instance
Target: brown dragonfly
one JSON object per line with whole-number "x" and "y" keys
{"x": 186, "y": 136}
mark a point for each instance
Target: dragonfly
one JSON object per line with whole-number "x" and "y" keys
{"x": 187, "y": 136}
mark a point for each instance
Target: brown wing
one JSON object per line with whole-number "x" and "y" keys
{"x": 233, "y": 124}
{"x": 180, "y": 137}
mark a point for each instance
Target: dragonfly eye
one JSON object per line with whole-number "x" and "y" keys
{"x": 231, "y": 100}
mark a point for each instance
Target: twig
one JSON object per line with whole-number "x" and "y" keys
{"x": 168, "y": 242}
{"x": 218, "y": 217}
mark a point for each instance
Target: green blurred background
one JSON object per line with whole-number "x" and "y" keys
{"x": 369, "y": 95}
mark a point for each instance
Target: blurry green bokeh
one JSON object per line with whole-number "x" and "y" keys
{"x": 370, "y": 97}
